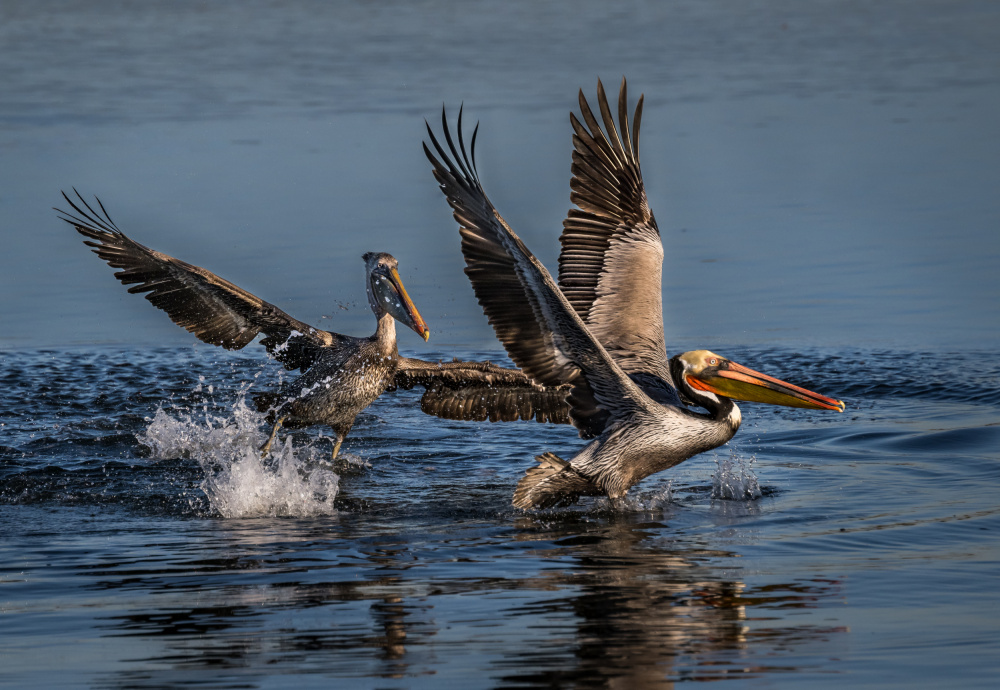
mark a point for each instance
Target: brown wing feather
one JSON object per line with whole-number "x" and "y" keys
{"x": 477, "y": 391}
{"x": 510, "y": 308}
{"x": 213, "y": 309}
{"x": 538, "y": 327}
{"x": 611, "y": 260}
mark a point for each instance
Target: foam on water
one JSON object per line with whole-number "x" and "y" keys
{"x": 292, "y": 481}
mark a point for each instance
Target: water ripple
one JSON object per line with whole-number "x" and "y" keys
{"x": 131, "y": 490}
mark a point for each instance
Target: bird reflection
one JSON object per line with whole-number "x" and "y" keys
{"x": 646, "y": 614}
{"x": 613, "y": 600}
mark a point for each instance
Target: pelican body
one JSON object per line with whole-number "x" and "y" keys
{"x": 599, "y": 330}
{"x": 342, "y": 375}
{"x": 348, "y": 376}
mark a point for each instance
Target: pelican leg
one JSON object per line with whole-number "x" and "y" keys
{"x": 336, "y": 446}
{"x": 266, "y": 448}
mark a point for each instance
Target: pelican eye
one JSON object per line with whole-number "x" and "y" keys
{"x": 713, "y": 361}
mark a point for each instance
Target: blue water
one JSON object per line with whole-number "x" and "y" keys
{"x": 824, "y": 176}
{"x": 145, "y": 544}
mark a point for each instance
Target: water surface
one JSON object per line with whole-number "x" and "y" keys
{"x": 146, "y": 544}
{"x": 824, "y": 176}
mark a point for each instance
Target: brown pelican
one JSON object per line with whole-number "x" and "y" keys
{"x": 601, "y": 328}
{"x": 341, "y": 374}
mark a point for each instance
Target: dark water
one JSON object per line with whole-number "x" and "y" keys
{"x": 867, "y": 558}
{"x": 825, "y": 180}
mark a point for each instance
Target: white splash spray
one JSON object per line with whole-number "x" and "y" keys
{"x": 657, "y": 500}
{"x": 238, "y": 482}
{"x": 734, "y": 479}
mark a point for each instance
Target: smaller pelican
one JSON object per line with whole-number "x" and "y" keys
{"x": 342, "y": 374}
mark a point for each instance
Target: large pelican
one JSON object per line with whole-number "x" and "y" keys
{"x": 601, "y": 328}
{"x": 341, "y": 374}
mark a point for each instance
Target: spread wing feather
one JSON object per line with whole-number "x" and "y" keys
{"x": 540, "y": 330}
{"x": 213, "y": 309}
{"x": 610, "y": 266}
{"x": 477, "y": 391}
{"x": 511, "y": 308}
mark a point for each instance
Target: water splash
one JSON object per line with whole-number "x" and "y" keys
{"x": 734, "y": 479}
{"x": 238, "y": 482}
{"x": 654, "y": 501}
{"x": 354, "y": 461}
{"x": 660, "y": 499}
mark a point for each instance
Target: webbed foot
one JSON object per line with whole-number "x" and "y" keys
{"x": 266, "y": 448}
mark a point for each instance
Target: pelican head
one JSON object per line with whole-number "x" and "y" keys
{"x": 706, "y": 372}
{"x": 386, "y": 293}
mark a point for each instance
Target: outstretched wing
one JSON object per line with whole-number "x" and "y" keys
{"x": 611, "y": 261}
{"x": 538, "y": 327}
{"x": 213, "y": 309}
{"x": 477, "y": 391}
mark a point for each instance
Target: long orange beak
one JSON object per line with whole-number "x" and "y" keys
{"x": 417, "y": 322}
{"x": 397, "y": 302}
{"x": 742, "y": 383}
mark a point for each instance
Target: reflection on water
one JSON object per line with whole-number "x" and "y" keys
{"x": 597, "y": 600}
{"x": 872, "y": 524}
